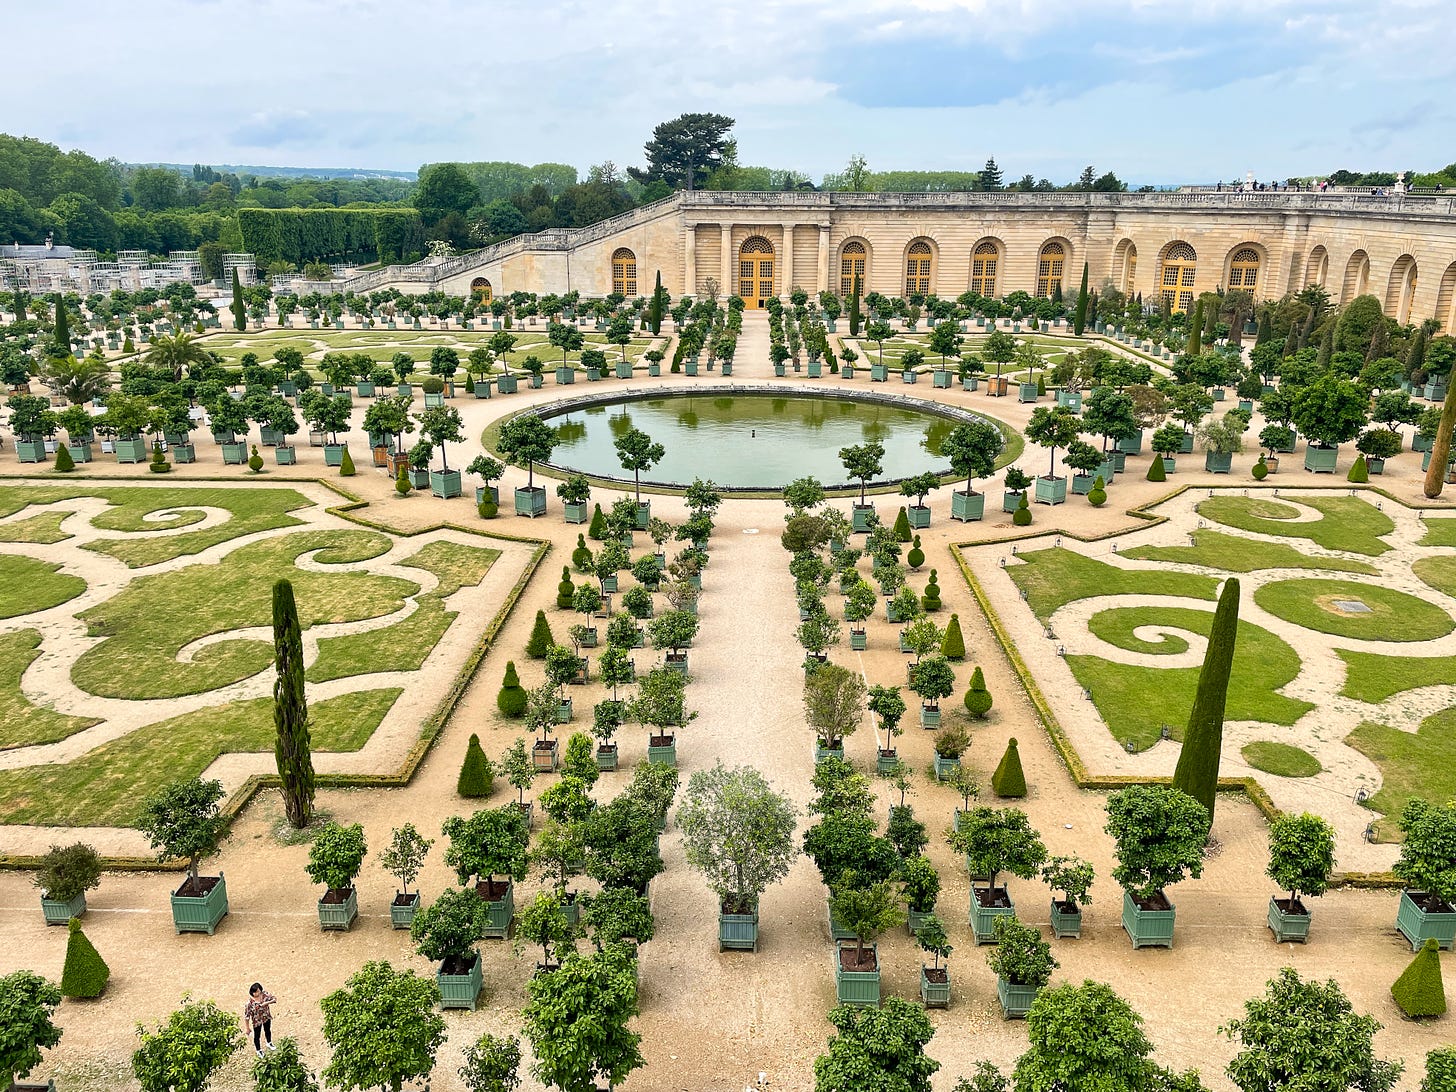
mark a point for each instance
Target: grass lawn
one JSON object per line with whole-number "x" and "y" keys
{"x": 1420, "y": 763}
{"x": 109, "y": 786}
{"x": 1440, "y": 532}
{"x": 457, "y": 565}
{"x": 1236, "y": 554}
{"x": 44, "y": 529}
{"x": 1281, "y": 759}
{"x": 22, "y": 723}
{"x": 153, "y": 617}
{"x": 1136, "y": 701}
{"x": 28, "y": 585}
{"x": 1438, "y": 572}
{"x": 1348, "y": 523}
{"x": 1052, "y": 578}
{"x": 1372, "y": 677}
{"x": 1392, "y": 615}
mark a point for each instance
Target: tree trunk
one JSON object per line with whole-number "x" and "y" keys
{"x": 1441, "y": 449}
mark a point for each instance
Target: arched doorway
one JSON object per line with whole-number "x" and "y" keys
{"x": 1180, "y": 269}
{"x": 756, "y": 271}
{"x": 1049, "y": 265}
{"x": 919, "y": 260}
{"x": 985, "y": 260}
{"x": 1446, "y": 300}
{"x": 1400, "y": 292}
{"x": 1357, "y": 277}
{"x": 1317, "y": 269}
{"x": 1244, "y": 269}
{"x": 853, "y": 265}
{"x": 480, "y": 288}
{"x": 624, "y": 273}
{"x": 1124, "y": 266}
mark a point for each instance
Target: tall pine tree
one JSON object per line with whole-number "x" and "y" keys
{"x": 61, "y": 335}
{"x": 240, "y": 314}
{"x": 292, "y": 749}
{"x": 1441, "y": 449}
{"x": 1197, "y": 769}
{"x": 854, "y": 307}
{"x": 1195, "y": 330}
{"x": 1080, "y": 322}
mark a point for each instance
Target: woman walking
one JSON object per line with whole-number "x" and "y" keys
{"x": 258, "y": 1016}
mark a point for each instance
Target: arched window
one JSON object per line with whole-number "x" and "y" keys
{"x": 756, "y": 271}
{"x": 1400, "y": 292}
{"x": 853, "y": 264}
{"x": 918, "y": 259}
{"x": 1317, "y": 269}
{"x": 624, "y": 272}
{"x": 1357, "y": 277}
{"x": 1446, "y": 300}
{"x": 1244, "y": 269}
{"x": 1049, "y": 269}
{"x": 1180, "y": 267}
{"x": 1124, "y": 266}
{"x": 984, "y": 261}
{"x": 480, "y": 288}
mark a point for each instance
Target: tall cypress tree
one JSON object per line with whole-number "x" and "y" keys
{"x": 1441, "y": 449}
{"x": 240, "y": 316}
{"x": 62, "y": 333}
{"x": 1197, "y": 769}
{"x": 1264, "y": 328}
{"x": 1195, "y": 330}
{"x": 292, "y": 748}
{"x": 854, "y": 307}
{"x": 654, "y": 312}
{"x": 1080, "y": 322}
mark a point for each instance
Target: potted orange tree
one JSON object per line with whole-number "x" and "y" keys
{"x": 334, "y": 860}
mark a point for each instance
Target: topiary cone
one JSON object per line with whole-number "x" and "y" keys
{"x": 476, "y": 774}
{"x": 511, "y": 700}
{"x": 85, "y": 973}
{"x": 346, "y": 465}
{"x": 541, "y": 640}
{"x": 1156, "y": 472}
{"x": 1197, "y": 769}
{"x": 978, "y": 704}
{"x": 1359, "y": 470}
{"x": 902, "y": 526}
{"x": 1008, "y": 780}
{"x": 1418, "y": 991}
{"x": 64, "y": 463}
{"x": 401, "y": 482}
{"x": 953, "y": 644}
{"x": 597, "y": 529}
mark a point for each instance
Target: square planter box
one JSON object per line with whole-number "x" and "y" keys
{"x": 563, "y": 711}
{"x": 997, "y": 386}
{"x": 1026, "y": 392}
{"x": 838, "y": 932}
{"x": 1417, "y": 924}
{"x": 1215, "y": 463}
{"x": 644, "y": 516}
{"x": 816, "y": 369}
{"x": 57, "y": 912}
{"x": 858, "y": 640}
{"x": 1422, "y": 443}
{"x": 918, "y": 515}
{"x": 1321, "y": 460}
{"x": 201, "y": 913}
{"x": 183, "y": 453}
{"x": 879, "y": 373}
{"x": 738, "y": 931}
{"x": 607, "y": 757}
{"x": 234, "y": 454}
{"x": 1132, "y": 443}
{"x": 1110, "y": 467}
{"x": 483, "y": 491}
{"x": 1375, "y": 466}
{"x": 1082, "y": 484}
{"x": 822, "y": 752}
{"x": 908, "y": 376}
{"x": 609, "y": 583}
{"x": 576, "y": 513}
{"x": 779, "y": 370}
{"x": 134, "y": 450}
{"x": 944, "y": 767}
{"x": 654, "y": 369}
{"x": 929, "y": 716}
{"x": 506, "y": 384}
{"x": 481, "y": 388}
{"x": 1147, "y": 928}
{"x": 339, "y": 915}
{"x": 459, "y": 991}
{"x": 434, "y": 399}
{"x": 593, "y": 376}
{"x": 983, "y": 918}
{"x": 1170, "y": 464}
{"x": 81, "y": 453}
{"x": 856, "y": 987}
{"x": 1064, "y": 924}
{"x": 1011, "y": 500}
{"x": 971, "y": 383}
{"x": 1071, "y": 400}
{"x": 1185, "y": 446}
{"x": 1287, "y": 924}
{"x": 940, "y": 380}
{"x": 623, "y": 370}
{"x": 420, "y": 479}
{"x": 402, "y": 914}
{"x": 1050, "y": 490}
{"x": 885, "y": 761}
{"x": 690, "y": 367}
{"x": 333, "y": 454}
{"x": 846, "y": 371}
{"x": 268, "y": 437}
{"x": 1434, "y": 392}
{"x": 860, "y": 518}
{"x": 935, "y": 987}
{"x": 1015, "y": 1000}
{"x": 664, "y": 753}
{"x": 543, "y": 755}
{"x": 500, "y": 907}
{"x": 283, "y": 454}
{"x": 967, "y": 507}
{"x": 531, "y": 502}
{"x": 445, "y": 483}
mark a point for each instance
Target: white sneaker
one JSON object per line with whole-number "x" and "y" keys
{"x": 260, "y": 1053}
{"x": 272, "y": 1047}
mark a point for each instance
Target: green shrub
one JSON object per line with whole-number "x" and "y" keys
{"x": 579, "y": 760}
{"x": 1156, "y": 473}
{"x": 930, "y": 601}
{"x": 597, "y": 529}
{"x": 346, "y": 466}
{"x": 565, "y": 589}
{"x": 1359, "y": 470}
{"x": 488, "y": 508}
{"x": 953, "y": 644}
{"x": 916, "y": 557}
{"x": 85, "y": 973}
{"x": 1022, "y": 516}
{"x": 477, "y": 775}
{"x": 1261, "y": 470}
{"x": 401, "y": 481}
{"x": 1041, "y": 378}
{"x": 1097, "y": 495}
{"x": 902, "y": 526}
{"x": 581, "y": 557}
{"x": 541, "y": 641}
{"x": 282, "y": 1070}
{"x": 1440, "y": 1070}
{"x": 432, "y": 384}
{"x": 511, "y": 700}
{"x": 158, "y": 465}
{"x": 1008, "y": 781}
{"x": 1419, "y": 991}
{"x": 64, "y": 463}
{"x": 978, "y": 702}
{"x": 68, "y": 871}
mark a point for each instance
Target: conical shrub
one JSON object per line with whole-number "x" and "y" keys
{"x": 86, "y": 973}
{"x": 476, "y": 773}
{"x": 930, "y": 601}
{"x": 541, "y": 638}
{"x": 953, "y": 644}
{"x": 565, "y": 589}
{"x": 1156, "y": 473}
{"x": 597, "y": 529}
{"x": 1359, "y": 470}
{"x": 978, "y": 704}
{"x": 581, "y": 557}
{"x": 916, "y": 557}
{"x": 1008, "y": 780}
{"x": 902, "y": 526}
{"x": 346, "y": 465}
{"x": 1418, "y": 991}
{"x": 1197, "y": 769}
{"x": 511, "y": 700}
{"x": 488, "y": 508}
{"x": 64, "y": 463}
{"x": 1040, "y": 382}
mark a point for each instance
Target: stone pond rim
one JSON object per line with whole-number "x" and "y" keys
{"x": 612, "y": 474}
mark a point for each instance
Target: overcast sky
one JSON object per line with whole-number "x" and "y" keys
{"x": 1157, "y": 91}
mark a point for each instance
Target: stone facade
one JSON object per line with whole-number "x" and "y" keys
{"x": 1401, "y": 249}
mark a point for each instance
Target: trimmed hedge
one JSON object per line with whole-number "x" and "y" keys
{"x": 85, "y": 973}
{"x": 305, "y": 235}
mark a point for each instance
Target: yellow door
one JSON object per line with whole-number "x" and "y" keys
{"x": 756, "y": 271}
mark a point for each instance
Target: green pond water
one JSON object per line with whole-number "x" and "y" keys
{"x": 750, "y": 441}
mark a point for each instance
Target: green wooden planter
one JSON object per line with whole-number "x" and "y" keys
{"x": 838, "y": 932}
{"x": 1147, "y": 928}
{"x": 1417, "y": 925}
{"x": 481, "y": 388}
{"x": 57, "y": 912}
{"x": 816, "y": 369}
{"x": 576, "y": 513}
{"x": 81, "y": 452}
{"x": 1216, "y": 463}
{"x": 664, "y": 754}
{"x": 860, "y": 518}
{"x": 858, "y": 640}
{"x": 334, "y": 454}
{"x": 944, "y": 767}
{"x": 420, "y": 479}
{"x": 506, "y": 384}
{"x": 1071, "y": 400}
{"x": 1015, "y": 999}
{"x": 1082, "y": 484}
{"x": 1050, "y": 490}
{"x": 918, "y": 515}
{"x": 916, "y": 919}
{"x": 1132, "y": 443}
{"x": 1288, "y": 926}
{"x": 822, "y": 752}
{"x": 983, "y": 918}
{"x": 738, "y": 931}
{"x": 563, "y": 711}
{"x": 935, "y": 995}
{"x": 498, "y": 911}
{"x": 1065, "y": 925}
{"x": 967, "y": 508}
{"x": 460, "y": 991}
{"x": 607, "y": 758}
{"x": 182, "y": 453}
{"x": 1011, "y": 499}
{"x": 339, "y": 915}
{"x": 531, "y": 502}
{"x": 133, "y": 450}
{"x": 402, "y": 914}
{"x": 858, "y": 988}
{"x": 434, "y": 399}
{"x": 778, "y": 370}
{"x": 1375, "y": 466}
{"x": 940, "y": 380}
{"x": 201, "y": 914}
{"x": 1321, "y": 460}
{"x": 678, "y": 663}
{"x": 690, "y": 367}
{"x": 930, "y": 716}
{"x": 879, "y": 373}
{"x": 445, "y": 483}
{"x": 30, "y": 451}
{"x": 1170, "y": 464}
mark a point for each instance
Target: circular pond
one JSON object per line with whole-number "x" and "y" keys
{"x": 750, "y": 440}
